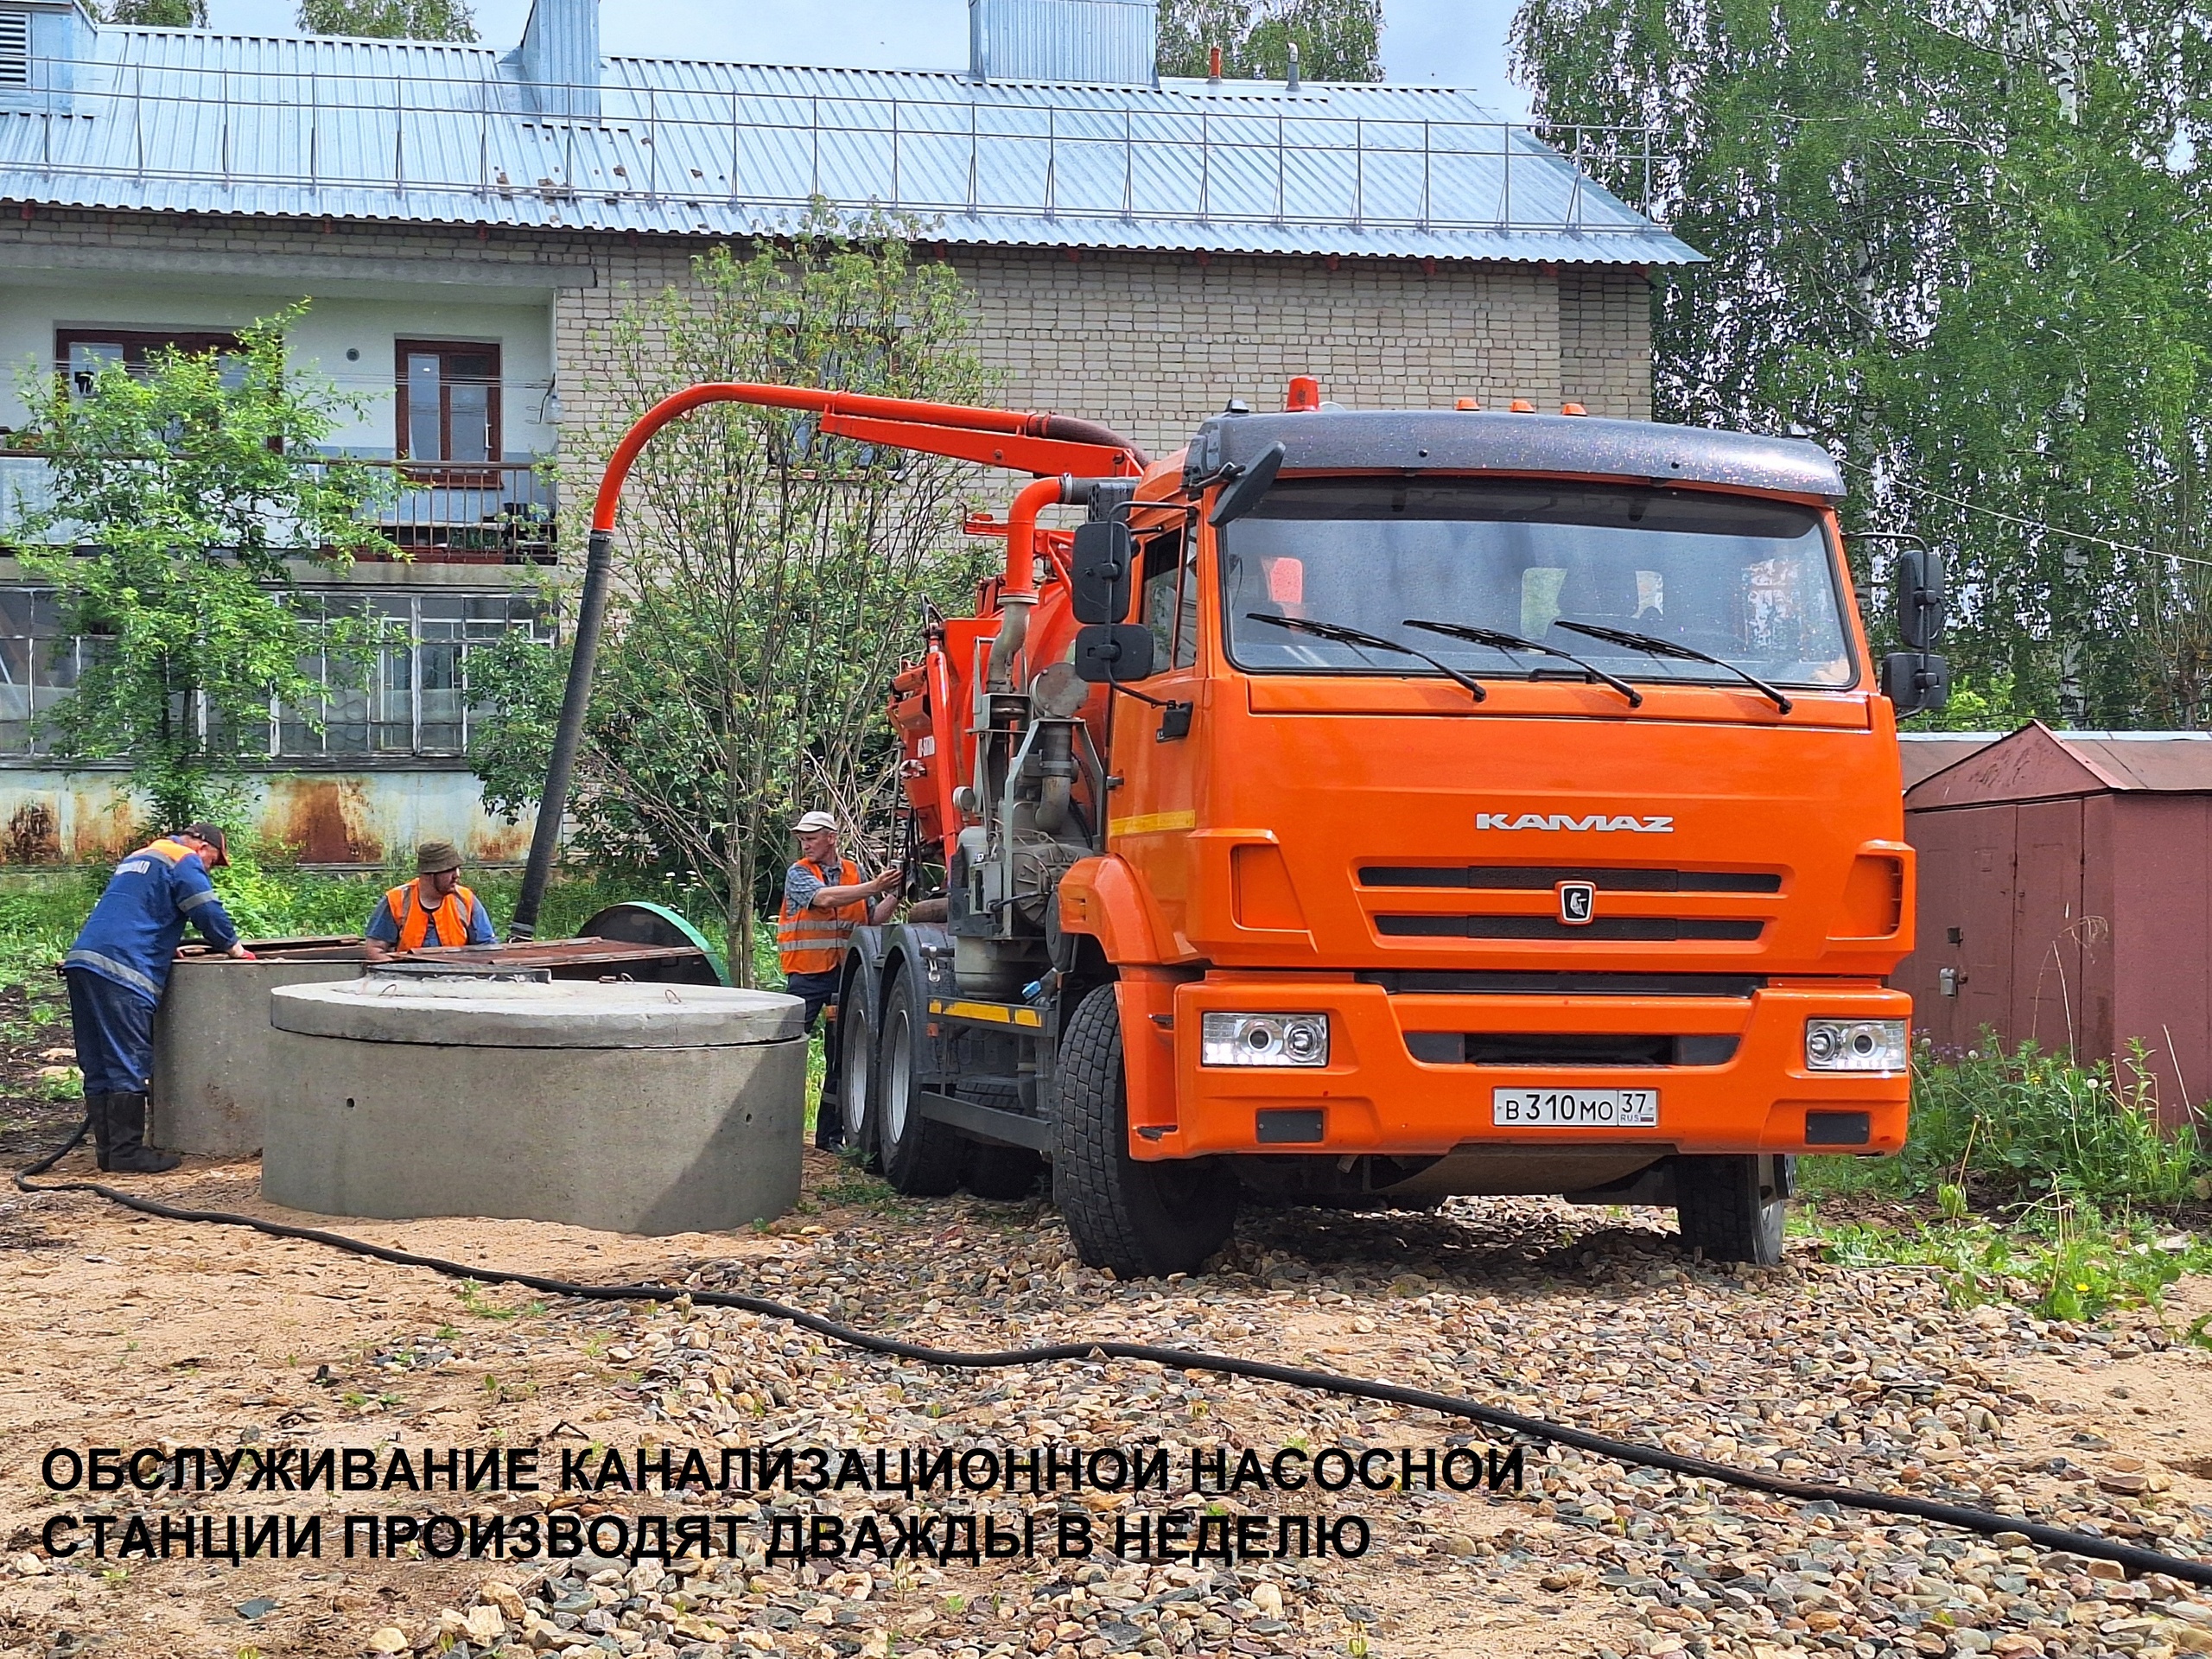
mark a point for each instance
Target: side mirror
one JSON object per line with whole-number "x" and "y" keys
{"x": 1113, "y": 653}
{"x": 1242, "y": 493}
{"x": 1100, "y": 574}
{"x": 1923, "y": 597}
{"x": 1916, "y": 681}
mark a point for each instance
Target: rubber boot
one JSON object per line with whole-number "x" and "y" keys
{"x": 96, "y": 1114}
{"x": 128, "y": 1152}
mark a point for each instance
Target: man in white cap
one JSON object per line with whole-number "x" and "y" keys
{"x": 825, "y": 899}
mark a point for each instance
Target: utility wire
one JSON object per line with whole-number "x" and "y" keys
{"x": 1181, "y": 1359}
{"x": 2029, "y": 523}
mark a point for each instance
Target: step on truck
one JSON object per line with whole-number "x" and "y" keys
{"x": 1360, "y": 808}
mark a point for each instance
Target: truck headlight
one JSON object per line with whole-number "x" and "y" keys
{"x": 1854, "y": 1045}
{"x": 1263, "y": 1039}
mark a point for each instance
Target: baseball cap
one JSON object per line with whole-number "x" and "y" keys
{"x": 812, "y": 822}
{"x": 213, "y": 835}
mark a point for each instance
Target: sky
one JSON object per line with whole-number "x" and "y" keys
{"x": 1449, "y": 42}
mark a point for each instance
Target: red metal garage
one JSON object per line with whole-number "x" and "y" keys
{"x": 2066, "y": 897}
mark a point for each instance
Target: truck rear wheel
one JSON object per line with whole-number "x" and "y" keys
{"x": 921, "y": 1157}
{"x": 1732, "y": 1207}
{"x": 856, "y": 1073}
{"x": 1140, "y": 1219}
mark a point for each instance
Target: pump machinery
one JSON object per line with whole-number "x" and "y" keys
{"x": 1359, "y": 807}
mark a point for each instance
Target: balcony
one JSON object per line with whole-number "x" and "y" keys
{"x": 475, "y": 513}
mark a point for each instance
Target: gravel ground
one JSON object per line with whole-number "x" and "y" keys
{"x": 1595, "y": 1318}
{"x": 1818, "y": 1372}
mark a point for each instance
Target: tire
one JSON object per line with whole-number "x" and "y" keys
{"x": 856, "y": 1074}
{"x": 1140, "y": 1219}
{"x": 1732, "y": 1208}
{"x": 921, "y": 1158}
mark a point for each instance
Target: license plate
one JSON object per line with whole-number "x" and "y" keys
{"x": 1575, "y": 1108}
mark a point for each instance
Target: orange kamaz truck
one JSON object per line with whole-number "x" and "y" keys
{"x": 1367, "y": 807}
{"x": 1364, "y": 807}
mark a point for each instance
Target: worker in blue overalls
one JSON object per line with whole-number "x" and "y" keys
{"x": 116, "y": 971}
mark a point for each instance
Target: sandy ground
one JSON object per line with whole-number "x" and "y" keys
{"x": 118, "y": 1331}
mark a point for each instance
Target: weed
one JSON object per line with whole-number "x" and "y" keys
{"x": 115, "y": 1577}
{"x": 471, "y": 1301}
{"x": 447, "y": 1333}
{"x": 2019, "y": 1125}
{"x": 357, "y": 1401}
{"x": 2080, "y": 1266}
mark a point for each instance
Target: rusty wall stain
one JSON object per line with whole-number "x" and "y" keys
{"x": 323, "y": 820}
{"x": 32, "y": 836}
{"x": 499, "y": 843}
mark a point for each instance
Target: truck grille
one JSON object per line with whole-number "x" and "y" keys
{"x": 1418, "y": 981}
{"x": 1540, "y": 878}
{"x": 1550, "y": 927}
{"x": 1545, "y": 1048}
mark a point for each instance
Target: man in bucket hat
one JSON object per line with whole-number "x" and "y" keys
{"x": 118, "y": 969}
{"x": 433, "y": 910}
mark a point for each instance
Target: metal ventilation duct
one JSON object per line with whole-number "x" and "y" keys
{"x": 559, "y": 58}
{"x": 1101, "y": 42}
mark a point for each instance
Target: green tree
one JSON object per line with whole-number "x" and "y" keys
{"x": 771, "y": 578}
{"x": 1965, "y": 246}
{"x": 407, "y": 20}
{"x": 159, "y": 14}
{"x": 194, "y": 488}
{"x": 1338, "y": 40}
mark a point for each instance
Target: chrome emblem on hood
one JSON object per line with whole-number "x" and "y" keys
{"x": 1602, "y": 821}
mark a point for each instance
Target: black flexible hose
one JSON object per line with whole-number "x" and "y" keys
{"x": 1184, "y": 1359}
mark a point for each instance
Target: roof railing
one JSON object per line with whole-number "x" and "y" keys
{"x": 1236, "y": 159}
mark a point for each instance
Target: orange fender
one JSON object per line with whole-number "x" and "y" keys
{"x": 1104, "y": 897}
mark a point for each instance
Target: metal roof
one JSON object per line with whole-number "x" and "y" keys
{"x": 1485, "y": 440}
{"x": 2036, "y": 763}
{"x": 198, "y": 122}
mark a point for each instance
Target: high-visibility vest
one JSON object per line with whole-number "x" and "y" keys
{"x": 165, "y": 849}
{"x": 811, "y": 938}
{"x": 451, "y": 917}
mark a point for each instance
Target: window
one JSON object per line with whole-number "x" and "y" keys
{"x": 15, "y": 48}
{"x": 82, "y": 353}
{"x": 1751, "y": 581}
{"x": 39, "y": 664}
{"x": 415, "y": 701}
{"x": 415, "y": 698}
{"x": 1171, "y": 598}
{"x": 448, "y": 401}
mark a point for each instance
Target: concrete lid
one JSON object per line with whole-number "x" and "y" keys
{"x": 565, "y": 1014}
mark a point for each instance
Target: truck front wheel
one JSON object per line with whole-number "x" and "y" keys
{"x": 1732, "y": 1207}
{"x": 1140, "y": 1219}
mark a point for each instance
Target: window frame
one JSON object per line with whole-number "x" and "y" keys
{"x": 441, "y": 467}
{"x": 139, "y": 345}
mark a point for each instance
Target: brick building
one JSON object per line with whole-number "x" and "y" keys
{"x": 466, "y": 223}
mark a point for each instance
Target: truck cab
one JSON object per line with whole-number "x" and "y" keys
{"x": 1379, "y": 806}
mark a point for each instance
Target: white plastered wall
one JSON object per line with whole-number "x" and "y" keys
{"x": 33, "y": 306}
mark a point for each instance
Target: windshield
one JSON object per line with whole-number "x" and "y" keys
{"x": 1750, "y": 581}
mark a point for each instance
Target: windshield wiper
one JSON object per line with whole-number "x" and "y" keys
{"x": 1658, "y": 647}
{"x": 1498, "y": 641}
{"x": 1341, "y": 635}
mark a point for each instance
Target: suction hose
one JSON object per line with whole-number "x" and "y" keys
{"x": 1183, "y": 1360}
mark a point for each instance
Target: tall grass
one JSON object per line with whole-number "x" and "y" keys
{"x": 2015, "y": 1126}
{"x": 2086, "y": 1187}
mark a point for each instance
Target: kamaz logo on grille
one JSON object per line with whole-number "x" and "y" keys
{"x": 1596, "y": 821}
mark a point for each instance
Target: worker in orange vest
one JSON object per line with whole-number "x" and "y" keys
{"x": 825, "y": 899}
{"x": 433, "y": 910}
